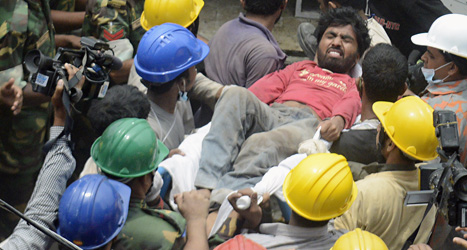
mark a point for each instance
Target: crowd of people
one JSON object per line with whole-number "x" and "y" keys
{"x": 186, "y": 142}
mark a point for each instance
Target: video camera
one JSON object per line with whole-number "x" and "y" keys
{"x": 46, "y": 71}
{"x": 449, "y": 181}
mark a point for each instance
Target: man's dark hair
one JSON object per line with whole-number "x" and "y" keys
{"x": 342, "y": 17}
{"x": 161, "y": 88}
{"x": 460, "y": 62}
{"x": 121, "y": 101}
{"x": 262, "y": 7}
{"x": 385, "y": 70}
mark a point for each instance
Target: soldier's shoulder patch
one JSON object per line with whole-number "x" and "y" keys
{"x": 111, "y": 36}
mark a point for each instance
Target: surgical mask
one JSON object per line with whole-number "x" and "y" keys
{"x": 430, "y": 73}
{"x": 183, "y": 95}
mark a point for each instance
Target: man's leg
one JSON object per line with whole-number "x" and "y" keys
{"x": 238, "y": 114}
{"x": 262, "y": 151}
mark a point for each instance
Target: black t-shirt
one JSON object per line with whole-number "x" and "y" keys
{"x": 357, "y": 145}
{"x": 403, "y": 18}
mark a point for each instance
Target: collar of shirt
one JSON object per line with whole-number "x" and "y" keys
{"x": 293, "y": 231}
{"x": 448, "y": 87}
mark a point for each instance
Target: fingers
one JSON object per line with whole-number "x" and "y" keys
{"x": 9, "y": 84}
{"x": 57, "y": 97}
{"x": 176, "y": 151}
{"x": 460, "y": 242}
{"x": 71, "y": 70}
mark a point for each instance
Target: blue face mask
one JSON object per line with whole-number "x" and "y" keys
{"x": 430, "y": 73}
{"x": 183, "y": 95}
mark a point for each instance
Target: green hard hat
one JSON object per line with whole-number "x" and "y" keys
{"x": 128, "y": 148}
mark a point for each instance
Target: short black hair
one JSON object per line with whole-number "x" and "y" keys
{"x": 385, "y": 70}
{"x": 163, "y": 87}
{"x": 121, "y": 101}
{"x": 460, "y": 62}
{"x": 342, "y": 17}
{"x": 263, "y": 7}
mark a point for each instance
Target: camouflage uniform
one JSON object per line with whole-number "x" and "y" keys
{"x": 110, "y": 20}
{"x": 64, "y": 5}
{"x": 147, "y": 228}
{"x": 24, "y": 25}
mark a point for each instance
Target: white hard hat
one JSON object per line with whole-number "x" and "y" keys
{"x": 448, "y": 33}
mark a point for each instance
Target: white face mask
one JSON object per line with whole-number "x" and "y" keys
{"x": 430, "y": 73}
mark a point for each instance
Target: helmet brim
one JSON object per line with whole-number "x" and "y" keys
{"x": 380, "y": 109}
{"x": 422, "y": 40}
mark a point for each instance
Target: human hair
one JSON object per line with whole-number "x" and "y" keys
{"x": 121, "y": 101}
{"x": 460, "y": 62}
{"x": 194, "y": 26}
{"x": 163, "y": 87}
{"x": 385, "y": 71}
{"x": 342, "y": 17}
{"x": 262, "y": 7}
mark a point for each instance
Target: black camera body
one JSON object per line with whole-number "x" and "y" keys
{"x": 46, "y": 71}
{"x": 449, "y": 180}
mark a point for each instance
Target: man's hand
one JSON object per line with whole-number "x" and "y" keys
{"x": 254, "y": 213}
{"x": 460, "y": 241}
{"x": 12, "y": 95}
{"x": 193, "y": 205}
{"x": 59, "y": 108}
{"x": 331, "y": 129}
{"x": 176, "y": 151}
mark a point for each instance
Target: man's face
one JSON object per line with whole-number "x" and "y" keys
{"x": 433, "y": 59}
{"x": 191, "y": 78}
{"x": 338, "y": 49}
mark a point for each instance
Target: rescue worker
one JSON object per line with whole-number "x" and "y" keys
{"x": 445, "y": 70}
{"x": 318, "y": 189}
{"x": 169, "y": 73}
{"x": 129, "y": 152}
{"x": 359, "y": 239}
{"x": 92, "y": 211}
{"x": 406, "y": 135}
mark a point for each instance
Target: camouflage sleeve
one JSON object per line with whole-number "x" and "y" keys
{"x": 106, "y": 20}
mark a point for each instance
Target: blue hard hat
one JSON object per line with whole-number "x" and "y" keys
{"x": 166, "y": 51}
{"x": 93, "y": 210}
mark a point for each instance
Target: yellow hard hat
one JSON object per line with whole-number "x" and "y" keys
{"x": 183, "y": 12}
{"x": 409, "y": 124}
{"x": 320, "y": 187}
{"x": 359, "y": 240}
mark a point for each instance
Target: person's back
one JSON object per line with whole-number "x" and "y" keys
{"x": 406, "y": 135}
{"x": 120, "y": 155}
{"x": 384, "y": 74}
{"x": 243, "y": 50}
{"x": 401, "y": 19}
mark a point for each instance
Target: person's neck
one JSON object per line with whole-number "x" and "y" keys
{"x": 396, "y": 158}
{"x": 298, "y": 221}
{"x": 266, "y": 21}
{"x": 166, "y": 101}
{"x": 367, "y": 111}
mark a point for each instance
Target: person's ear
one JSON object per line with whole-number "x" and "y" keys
{"x": 453, "y": 69}
{"x": 284, "y": 4}
{"x": 391, "y": 145}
